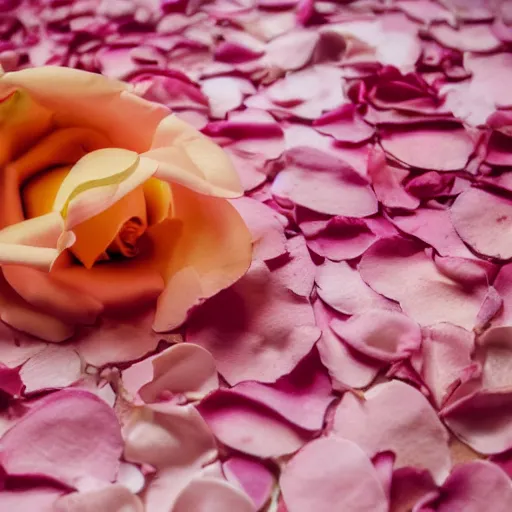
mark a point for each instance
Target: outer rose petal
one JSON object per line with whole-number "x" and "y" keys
{"x": 78, "y": 98}
{"x": 211, "y": 251}
{"x": 187, "y": 157}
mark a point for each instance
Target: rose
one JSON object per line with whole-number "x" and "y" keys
{"x": 108, "y": 201}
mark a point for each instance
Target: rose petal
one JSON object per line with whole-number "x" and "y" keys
{"x": 266, "y": 333}
{"x": 231, "y": 416}
{"x": 467, "y": 38}
{"x": 67, "y": 451}
{"x": 413, "y": 147}
{"x": 393, "y": 260}
{"x": 331, "y": 470}
{"x": 40, "y": 371}
{"x": 10, "y": 381}
{"x": 27, "y": 500}
{"x": 182, "y": 368}
{"x": 408, "y": 487}
{"x": 395, "y": 416}
{"x": 339, "y": 190}
{"x": 383, "y": 335}
{"x": 252, "y": 476}
{"x": 482, "y": 220}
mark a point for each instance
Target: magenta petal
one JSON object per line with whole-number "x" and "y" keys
{"x": 252, "y": 476}
{"x": 339, "y": 190}
{"x": 386, "y": 182}
{"x": 66, "y": 451}
{"x": 482, "y": 420}
{"x": 476, "y": 486}
{"x": 255, "y": 330}
{"x": 10, "y": 380}
{"x": 483, "y": 220}
{"x": 408, "y": 487}
{"x": 414, "y": 147}
{"x": 397, "y": 417}
{"x": 429, "y": 297}
{"x": 301, "y": 397}
{"x": 331, "y": 471}
{"x": 231, "y": 416}
{"x": 212, "y": 495}
{"x": 341, "y": 287}
{"x": 383, "y": 335}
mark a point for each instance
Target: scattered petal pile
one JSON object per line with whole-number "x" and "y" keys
{"x": 364, "y": 361}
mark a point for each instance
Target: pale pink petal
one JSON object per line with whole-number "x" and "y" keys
{"x": 292, "y": 50}
{"x": 297, "y": 273}
{"x": 467, "y": 38}
{"x": 339, "y": 190}
{"x": 397, "y": 417}
{"x": 181, "y": 369}
{"x": 256, "y": 329}
{"x": 341, "y": 287}
{"x": 483, "y": 221}
{"x": 131, "y": 477}
{"x": 345, "y": 367}
{"x": 266, "y": 227}
{"x": 41, "y": 499}
{"x": 446, "y": 353}
{"x": 425, "y": 294}
{"x": 414, "y": 147}
{"x": 214, "y": 495}
{"x": 383, "y": 335}
{"x": 331, "y": 471}
{"x": 16, "y": 348}
{"x": 344, "y": 124}
{"x": 302, "y": 397}
{"x": 494, "y": 352}
{"x": 476, "y": 486}
{"x": 387, "y": 182}
{"x": 54, "y": 439}
{"x": 342, "y": 238}
{"x": 114, "y": 498}
{"x": 53, "y": 368}
{"x": 482, "y": 420}
{"x": 231, "y": 416}
{"x": 225, "y": 94}
{"x": 119, "y": 339}
{"x": 252, "y": 476}
{"x": 503, "y": 285}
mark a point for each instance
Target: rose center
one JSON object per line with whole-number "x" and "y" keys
{"x": 125, "y": 242}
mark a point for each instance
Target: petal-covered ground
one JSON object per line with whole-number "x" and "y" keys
{"x": 364, "y": 362}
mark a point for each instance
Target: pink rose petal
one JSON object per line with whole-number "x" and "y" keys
{"x": 425, "y": 294}
{"x": 476, "y": 486}
{"x": 41, "y": 499}
{"x": 446, "y": 353}
{"x": 383, "y": 335}
{"x": 345, "y": 367}
{"x": 252, "y": 476}
{"x": 395, "y": 416}
{"x": 10, "y": 381}
{"x": 341, "y": 287}
{"x": 414, "y": 147}
{"x": 248, "y": 426}
{"x": 483, "y": 221}
{"x": 387, "y": 182}
{"x": 214, "y": 495}
{"x": 342, "y": 238}
{"x": 181, "y": 369}
{"x": 494, "y": 352}
{"x": 257, "y": 329}
{"x": 331, "y": 471}
{"x": 503, "y": 286}
{"x": 408, "y": 487}
{"x": 467, "y": 38}
{"x": 66, "y": 451}
{"x": 333, "y": 188}
{"x": 54, "y": 367}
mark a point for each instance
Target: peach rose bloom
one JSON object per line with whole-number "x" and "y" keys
{"x": 108, "y": 203}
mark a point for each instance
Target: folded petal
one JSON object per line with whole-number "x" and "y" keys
{"x": 187, "y": 157}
